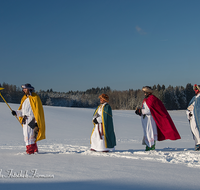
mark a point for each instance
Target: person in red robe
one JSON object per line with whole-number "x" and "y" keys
{"x": 156, "y": 121}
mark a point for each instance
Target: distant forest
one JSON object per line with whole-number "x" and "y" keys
{"x": 174, "y": 98}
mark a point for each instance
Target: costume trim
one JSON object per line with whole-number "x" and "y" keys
{"x": 195, "y": 112}
{"x": 93, "y": 123}
{"x": 104, "y": 131}
{"x": 107, "y": 113}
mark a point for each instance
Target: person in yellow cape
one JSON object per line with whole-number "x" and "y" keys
{"x": 103, "y": 135}
{"x": 31, "y": 116}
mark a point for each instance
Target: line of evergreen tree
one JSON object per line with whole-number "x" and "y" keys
{"x": 174, "y": 98}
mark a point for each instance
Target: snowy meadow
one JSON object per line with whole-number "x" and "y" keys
{"x": 65, "y": 161}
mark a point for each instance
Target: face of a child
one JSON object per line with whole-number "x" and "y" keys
{"x": 26, "y": 91}
{"x": 146, "y": 94}
{"x": 102, "y": 101}
{"x": 196, "y": 91}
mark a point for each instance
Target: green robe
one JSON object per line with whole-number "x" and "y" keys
{"x": 108, "y": 128}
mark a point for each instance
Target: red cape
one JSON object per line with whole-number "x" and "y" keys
{"x": 165, "y": 126}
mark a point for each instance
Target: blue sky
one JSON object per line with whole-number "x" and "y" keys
{"x": 80, "y": 44}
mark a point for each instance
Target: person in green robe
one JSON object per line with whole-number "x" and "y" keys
{"x": 103, "y": 136}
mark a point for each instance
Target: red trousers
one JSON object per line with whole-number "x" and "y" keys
{"x": 30, "y": 149}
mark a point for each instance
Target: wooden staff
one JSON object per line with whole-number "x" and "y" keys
{"x": 7, "y": 103}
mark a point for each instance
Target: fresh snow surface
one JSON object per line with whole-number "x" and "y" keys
{"x": 64, "y": 160}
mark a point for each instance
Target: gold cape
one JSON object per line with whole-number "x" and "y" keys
{"x": 38, "y": 112}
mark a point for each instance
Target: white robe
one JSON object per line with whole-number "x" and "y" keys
{"x": 28, "y": 132}
{"x": 97, "y": 141}
{"x": 193, "y": 126}
{"x": 149, "y": 126}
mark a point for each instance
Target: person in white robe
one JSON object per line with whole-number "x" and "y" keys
{"x": 27, "y": 114}
{"x": 148, "y": 123}
{"x": 149, "y": 127}
{"x": 29, "y": 123}
{"x": 103, "y": 136}
{"x": 193, "y": 115}
{"x": 156, "y": 121}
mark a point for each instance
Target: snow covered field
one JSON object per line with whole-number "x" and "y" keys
{"x": 64, "y": 160}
